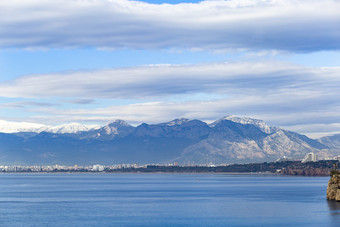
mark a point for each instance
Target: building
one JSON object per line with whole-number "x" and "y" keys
{"x": 284, "y": 159}
{"x": 98, "y": 168}
{"x": 310, "y": 157}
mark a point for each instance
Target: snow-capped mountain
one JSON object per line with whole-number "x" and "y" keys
{"x": 118, "y": 128}
{"x": 176, "y": 122}
{"x": 178, "y": 128}
{"x": 228, "y": 140}
{"x": 246, "y": 120}
{"x": 14, "y": 127}
{"x": 71, "y": 128}
{"x": 236, "y": 139}
{"x": 18, "y": 127}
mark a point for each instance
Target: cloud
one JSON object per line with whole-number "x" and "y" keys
{"x": 283, "y": 94}
{"x": 317, "y": 130}
{"x": 289, "y": 25}
{"x": 80, "y": 101}
{"x": 159, "y": 81}
{"x": 310, "y": 118}
{"x": 24, "y": 104}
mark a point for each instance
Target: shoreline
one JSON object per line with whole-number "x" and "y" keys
{"x": 288, "y": 168}
{"x": 160, "y": 173}
{"x": 156, "y": 172}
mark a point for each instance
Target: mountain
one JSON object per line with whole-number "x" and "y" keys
{"x": 230, "y": 139}
{"x": 331, "y": 141}
{"x": 178, "y": 128}
{"x": 70, "y": 128}
{"x": 14, "y": 127}
{"x": 117, "y": 128}
{"x": 22, "y": 127}
{"x": 260, "y": 124}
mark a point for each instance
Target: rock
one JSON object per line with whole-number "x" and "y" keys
{"x": 337, "y": 196}
{"x": 333, "y": 189}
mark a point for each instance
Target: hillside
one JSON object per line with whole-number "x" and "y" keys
{"x": 227, "y": 140}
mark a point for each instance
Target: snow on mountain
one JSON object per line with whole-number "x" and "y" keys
{"x": 246, "y": 120}
{"x": 228, "y": 140}
{"x": 71, "y": 128}
{"x": 116, "y": 127}
{"x": 15, "y": 127}
{"x": 176, "y": 122}
{"x": 235, "y": 142}
{"x": 178, "y": 128}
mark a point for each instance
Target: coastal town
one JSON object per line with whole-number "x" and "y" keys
{"x": 308, "y": 166}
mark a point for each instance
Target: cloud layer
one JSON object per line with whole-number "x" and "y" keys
{"x": 289, "y": 25}
{"x": 293, "y": 96}
{"x": 283, "y": 94}
{"x": 158, "y": 81}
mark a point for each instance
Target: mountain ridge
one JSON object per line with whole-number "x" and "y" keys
{"x": 19, "y": 127}
{"x": 228, "y": 140}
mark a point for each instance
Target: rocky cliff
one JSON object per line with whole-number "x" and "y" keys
{"x": 333, "y": 189}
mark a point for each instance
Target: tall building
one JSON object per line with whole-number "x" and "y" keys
{"x": 98, "y": 168}
{"x": 310, "y": 157}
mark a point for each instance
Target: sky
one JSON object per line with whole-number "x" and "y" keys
{"x": 95, "y": 61}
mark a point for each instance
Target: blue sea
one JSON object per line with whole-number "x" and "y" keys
{"x": 165, "y": 200}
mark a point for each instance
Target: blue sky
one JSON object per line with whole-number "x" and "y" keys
{"x": 96, "y": 61}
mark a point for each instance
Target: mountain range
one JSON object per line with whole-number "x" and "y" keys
{"x": 230, "y": 139}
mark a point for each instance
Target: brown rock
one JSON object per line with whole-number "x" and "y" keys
{"x": 337, "y": 196}
{"x": 333, "y": 189}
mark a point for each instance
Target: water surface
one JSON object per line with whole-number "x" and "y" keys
{"x": 165, "y": 200}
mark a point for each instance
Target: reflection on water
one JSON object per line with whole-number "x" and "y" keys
{"x": 334, "y": 211}
{"x": 334, "y": 207}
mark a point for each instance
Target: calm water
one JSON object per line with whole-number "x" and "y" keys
{"x": 164, "y": 200}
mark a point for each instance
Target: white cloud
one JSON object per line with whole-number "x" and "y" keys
{"x": 277, "y": 111}
{"x": 292, "y": 25}
{"x": 287, "y": 95}
{"x": 307, "y": 119}
{"x": 158, "y": 81}
{"x": 317, "y": 130}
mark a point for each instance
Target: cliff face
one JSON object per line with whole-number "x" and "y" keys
{"x": 333, "y": 189}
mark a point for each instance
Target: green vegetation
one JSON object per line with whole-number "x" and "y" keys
{"x": 334, "y": 172}
{"x": 320, "y": 168}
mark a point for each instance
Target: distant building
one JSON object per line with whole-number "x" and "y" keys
{"x": 310, "y": 157}
{"x": 98, "y": 168}
{"x": 284, "y": 159}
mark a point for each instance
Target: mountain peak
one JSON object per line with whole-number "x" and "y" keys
{"x": 245, "y": 120}
{"x": 14, "y": 127}
{"x": 232, "y": 139}
{"x": 177, "y": 121}
{"x": 116, "y": 126}
{"x": 119, "y": 122}
{"x": 71, "y": 128}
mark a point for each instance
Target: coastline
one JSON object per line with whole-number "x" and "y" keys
{"x": 158, "y": 173}
{"x": 287, "y": 168}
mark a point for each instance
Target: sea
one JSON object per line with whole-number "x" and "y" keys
{"x": 165, "y": 200}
